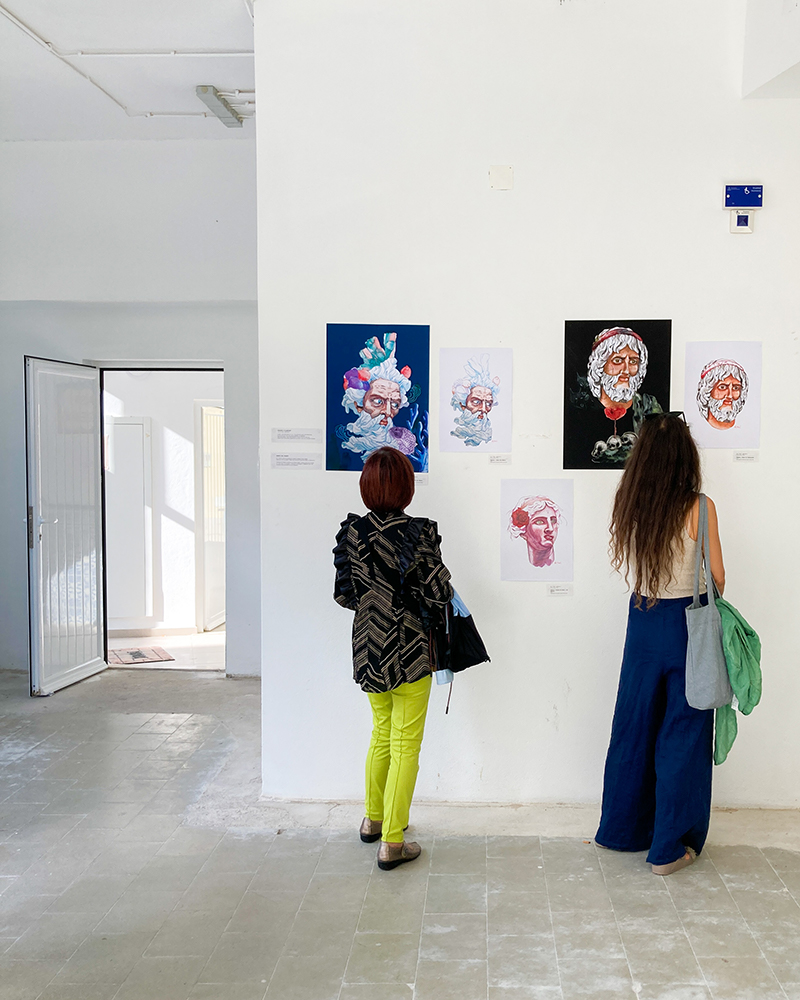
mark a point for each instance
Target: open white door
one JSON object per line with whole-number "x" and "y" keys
{"x": 65, "y": 529}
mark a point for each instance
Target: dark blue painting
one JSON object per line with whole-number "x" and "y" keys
{"x": 377, "y": 393}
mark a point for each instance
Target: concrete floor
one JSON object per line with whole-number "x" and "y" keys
{"x": 126, "y": 873}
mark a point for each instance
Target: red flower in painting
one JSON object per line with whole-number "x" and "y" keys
{"x": 615, "y": 412}
{"x": 405, "y": 370}
{"x": 520, "y": 517}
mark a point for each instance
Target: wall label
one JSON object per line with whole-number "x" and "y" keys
{"x": 499, "y": 460}
{"x": 296, "y": 460}
{"x": 312, "y": 434}
{"x": 745, "y": 456}
{"x": 559, "y": 590}
{"x": 421, "y": 478}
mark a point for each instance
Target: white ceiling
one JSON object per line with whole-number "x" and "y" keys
{"x": 42, "y": 98}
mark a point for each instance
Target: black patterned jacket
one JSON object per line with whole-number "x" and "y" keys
{"x": 388, "y": 570}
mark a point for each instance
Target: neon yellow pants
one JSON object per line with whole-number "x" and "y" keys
{"x": 398, "y": 724}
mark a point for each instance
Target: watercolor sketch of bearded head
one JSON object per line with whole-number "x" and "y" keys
{"x": 473, "y": 399}
{"x": 536, "y": 520}
{"x": 376, "y": 391}
{"x": 722, "y": 393}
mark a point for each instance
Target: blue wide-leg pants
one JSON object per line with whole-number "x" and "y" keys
{"x": 657, "y": 785}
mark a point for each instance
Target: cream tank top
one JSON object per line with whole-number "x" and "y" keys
{"x": 682, "y": 582}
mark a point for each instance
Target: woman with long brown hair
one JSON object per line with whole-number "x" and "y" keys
{"x": 657, "y": 785}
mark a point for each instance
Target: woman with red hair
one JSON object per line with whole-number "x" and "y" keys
{"x": 389, "y": 570}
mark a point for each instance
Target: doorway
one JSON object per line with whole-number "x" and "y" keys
{"x": 164, "y": 492}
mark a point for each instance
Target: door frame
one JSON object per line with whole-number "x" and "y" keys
{"x": 145, "y": 365}
{"x": 103, "y": 365}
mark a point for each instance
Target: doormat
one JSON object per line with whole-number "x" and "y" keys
{"x": 147, "y": 654}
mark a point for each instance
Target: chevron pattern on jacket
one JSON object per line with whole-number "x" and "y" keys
{"x": 388, "y": 566}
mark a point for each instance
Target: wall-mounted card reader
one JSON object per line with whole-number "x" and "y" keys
{"x": 743, "y": 201}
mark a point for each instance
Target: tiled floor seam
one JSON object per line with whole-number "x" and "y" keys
{"x": 689, "y": 937}
{"x": 486, "y": 886}
{"x": 105, "y": 913}
{"x": 747, "y": 922}
{"x": 91, "y": 931}
{"x": 174, "y": 908}
{"x": 358, "y": 923}
{"x": 422, "y": 920}
{"x": 297, "y": 912}
{"x": 552, "y": 922}
{"x": 616, "y": 920}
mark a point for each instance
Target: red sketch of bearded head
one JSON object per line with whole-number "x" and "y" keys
{"x": 722, "y": 392}
{"x": 536, "y": 519}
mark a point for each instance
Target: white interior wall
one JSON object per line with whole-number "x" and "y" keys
{"x": 772, "y": 49}
{"x": 168, "y": 399}
{"x": 622, "y": 121}
{"x": 72, "y": 331}
{"x": 127, "y": 221}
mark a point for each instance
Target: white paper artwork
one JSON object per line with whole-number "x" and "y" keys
{"x": 536, "y": 522}
{"x": 475, "y": 399}
{"x": 722, "y": 395}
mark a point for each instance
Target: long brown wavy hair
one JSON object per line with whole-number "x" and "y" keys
{"x": 660, "y": 483}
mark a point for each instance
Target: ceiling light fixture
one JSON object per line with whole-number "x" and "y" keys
{"x": 65, "y": 56}
{"x": 218, "y": 106}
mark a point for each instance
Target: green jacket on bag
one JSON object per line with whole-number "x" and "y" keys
{"x": 743, "y": 659}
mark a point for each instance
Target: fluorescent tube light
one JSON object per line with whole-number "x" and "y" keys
{"x": 218, "y": 106}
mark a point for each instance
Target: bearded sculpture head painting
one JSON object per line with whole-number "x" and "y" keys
{"x": 381, "y": 402}
{"x": 616, "y": 375}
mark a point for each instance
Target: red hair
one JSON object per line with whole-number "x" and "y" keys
{"x": 387, "y": 482}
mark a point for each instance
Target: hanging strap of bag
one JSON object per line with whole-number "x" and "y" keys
{"x": 702, "y": 557}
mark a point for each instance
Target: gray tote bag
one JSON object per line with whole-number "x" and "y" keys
{"x": 707, "y": 684}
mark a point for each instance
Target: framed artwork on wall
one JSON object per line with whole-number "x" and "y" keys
{"x": 616, "y": 372}
{"x": 722, "y": 393}
{"x": 377, "y": 393}
{"x": 475, "y": 399}
{"x": 536, "y": 530}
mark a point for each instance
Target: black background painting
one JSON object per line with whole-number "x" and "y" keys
{"x": 584, "y": 419}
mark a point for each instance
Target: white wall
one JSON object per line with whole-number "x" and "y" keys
{"x": 772, "y": 49}
{"x": 78, "y": 331}
{"x": 168, "y": 399}
{"x": 127, "y": 221}
{"x": 622, "y": 121}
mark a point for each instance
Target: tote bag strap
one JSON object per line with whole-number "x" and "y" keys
{"x": 702, "y": 554}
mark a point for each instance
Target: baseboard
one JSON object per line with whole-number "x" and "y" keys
{"x": 221, "y": 807}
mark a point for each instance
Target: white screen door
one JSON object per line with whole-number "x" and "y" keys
{"x": 65, "y": 531}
